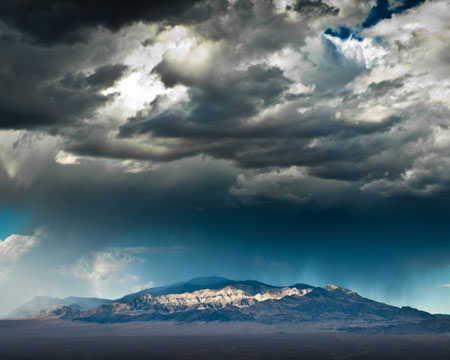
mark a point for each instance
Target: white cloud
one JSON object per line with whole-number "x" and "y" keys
{"x": 102, "y": 266}
{"x": 24, "y": 154}
{"x": 136, "y": 166}
{"x": 64, "y": 158}
{"x": 374, "y": 114}
{"x": 114, "y": 272}
{"x": 292, "y": 184}
{"x": 14, "y": 246}
{"x": 364, "y": 52}
{"x": 12, "y": 249}
{"x": 444, "y": 285}
{"x": 431, "y": 17}
{"x": 275, "y": 185}
{"x": 107, "y": 273}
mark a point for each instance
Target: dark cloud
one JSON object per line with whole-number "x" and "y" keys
{"x": 256, "y": 28}
{"x": 380, "y": 88}
{"x": 215, "y": 106}
{"x": 102, "y": 78}
{"x": 314, "y": 8}
{"x": 34, "y": 99}
{"x": 68, "y": 21}
{"x": 38, "y": 84}
{"x": 351, "y": 133}
{"x": 222, "y": 117}
{"x": 241, "y": 102}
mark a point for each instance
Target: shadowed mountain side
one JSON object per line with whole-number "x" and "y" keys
{"x": 220, "y": 300}
{"x": 337, "y": 305}
{"x": 223, "y": 300}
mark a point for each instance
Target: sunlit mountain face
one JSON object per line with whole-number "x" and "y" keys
{"x": 143, "y": 143}
{"x": 218, "y": 301}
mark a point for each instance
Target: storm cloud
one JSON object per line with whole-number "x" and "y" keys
{"x": 52, "y": 21}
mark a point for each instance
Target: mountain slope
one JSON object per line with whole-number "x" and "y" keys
{"x": 218, "y": 299}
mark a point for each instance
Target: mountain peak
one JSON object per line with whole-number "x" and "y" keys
{"x": 216, "y": 298}
{"x": 333, "y": 287}
{"x": 219, "y": 299}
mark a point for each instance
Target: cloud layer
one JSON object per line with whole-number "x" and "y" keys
{"x": 265, "y": 85}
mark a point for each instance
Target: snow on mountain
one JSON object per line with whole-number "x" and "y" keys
{"x": 220, "y": 299}
{"x": 200, "y": 300}
{"x": 216, "y": 299}
{"x": 332, "y": 287}
{"x": 206, "y": 282}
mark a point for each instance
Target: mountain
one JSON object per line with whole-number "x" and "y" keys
{"x": 219, "y": 299}
{"x": 209, "y": 299}
{"x": 43, "y": 305}
{"x": 211, "y": 282}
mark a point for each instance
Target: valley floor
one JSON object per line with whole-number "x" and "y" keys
{"x": 57, "y": 339}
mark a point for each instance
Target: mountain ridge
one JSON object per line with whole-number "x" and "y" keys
{"x": 210, "y": 299}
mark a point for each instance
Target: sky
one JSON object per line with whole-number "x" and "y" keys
{"x": 285, "y": 141}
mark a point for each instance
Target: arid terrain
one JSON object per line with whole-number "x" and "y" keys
{"x": 59, "y": 339}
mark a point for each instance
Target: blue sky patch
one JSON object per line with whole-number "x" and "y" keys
{"x": 13, "y": 221}
{"x": 382, "y": 10}
{"x": 342, "y": 32}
